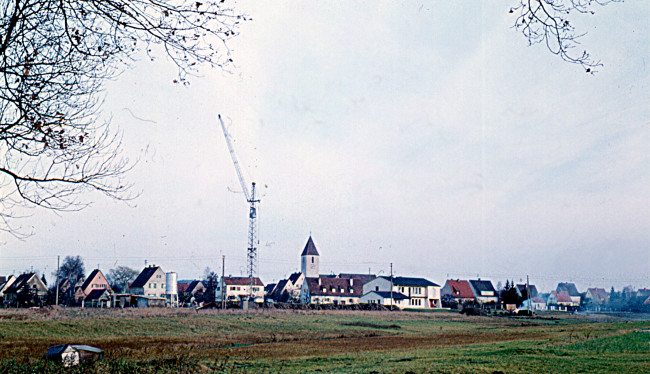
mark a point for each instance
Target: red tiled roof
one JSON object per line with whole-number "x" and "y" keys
{"x": 461, "y": 289}
{"x": 562, "y": 296}
{"x": 599, "y": 295}
{"x": 242, "y": 281}
{"x": 182, "y": 287}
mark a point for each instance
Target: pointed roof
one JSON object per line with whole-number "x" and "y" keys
{"x": 310, "y": 248}
{"x": 144, "y": 276}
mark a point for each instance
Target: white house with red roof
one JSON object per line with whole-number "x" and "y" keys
{"x": 460, "y": 290}
{"x": 240, "y": 288}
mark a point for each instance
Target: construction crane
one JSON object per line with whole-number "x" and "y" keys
{"x": 252, "y": 213}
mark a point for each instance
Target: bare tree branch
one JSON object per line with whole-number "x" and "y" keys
{"x": 55, "y": 56}
{"x": 547, "y": 22}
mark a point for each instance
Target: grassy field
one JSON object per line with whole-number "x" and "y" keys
{"x": 187, "y": 341}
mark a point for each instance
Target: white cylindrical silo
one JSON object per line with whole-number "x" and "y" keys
{"x": 171, "y": 284}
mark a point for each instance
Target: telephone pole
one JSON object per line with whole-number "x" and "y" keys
{"x": 56, "y": 300}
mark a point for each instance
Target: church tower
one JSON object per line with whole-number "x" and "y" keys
{"x": 309, "y": 260}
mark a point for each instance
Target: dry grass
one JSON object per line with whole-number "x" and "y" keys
{"x": 288, "y": 340}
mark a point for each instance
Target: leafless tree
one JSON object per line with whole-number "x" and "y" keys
{"x": 54, "y": 58}
{"x": 548, "y": 22}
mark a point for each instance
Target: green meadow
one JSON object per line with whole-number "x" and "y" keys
{"x": 270, "y": 341}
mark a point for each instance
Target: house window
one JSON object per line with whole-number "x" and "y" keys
{"x": 376, "y": 288}
{"x": 154, "y": 285}
{"x": 312, "y": 260}
{"x": 342, "y": 290}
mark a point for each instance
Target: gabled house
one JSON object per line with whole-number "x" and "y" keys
{"x": 288, "y": 290}
{"x": 522, "y": 291}
{"x": 95, "y": 281}
{"x": 459, "y": 290}
{"x": 386, "y": 298}
{"x": 484, "y": 291}
{"x": 572, "y": 290}
{"x": 194, "y": 289}
{"x": 150, "y": 282}
{"x": 5, "y": 283}
{"x": 596, "y": 298}
{"x": 99, "y": 298}
{"x": 561, "y": 300}
{"x": 331, "y": 289}
{"x": 27, "y": 290}
{"x": 240, "y": 288}
{"x": 421, "y": 293}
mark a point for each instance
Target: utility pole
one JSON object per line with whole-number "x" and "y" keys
{"x": 391, "y": 286}
{"x": 223, "y": 282}
{"x": 56, "y": 300}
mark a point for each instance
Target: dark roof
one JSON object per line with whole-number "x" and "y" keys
{"x": 568, "y": 287}
{"x": 144, "y": 276}
{"x": 89, "y": 279}
{"x": 333, "y": 286}
{"x": 387, "y": 295}
{"x": 192, "y": 287}
{"x": 363, "y": 278}
{"x": 310, "y": 248}
{"x": 96, "y": 294}
{"x": 3, "y": 279}
{"x": 483, "y": 285}
{"x": 242, "y": 281}
{"x": 522, "y": 287}
{"x": 562, "y": 296}
{"x": 294, "y": 277}
{"x": 410, "y": 282}
{"x": 19, "y": 282}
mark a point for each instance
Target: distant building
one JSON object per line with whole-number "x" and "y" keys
{"x": 572, "y": 290}
{"x": 459, "y": 290}
{"x": 331, "y": 289}
{"x": 386, "y": 298}
{"x": 94, "y": 281}
{"x": 484, "y": 291}
{"x": 239, "y": 288}
{"x": 561, "y": 301}
{"x": 27, "y": 290}
{"x": 310, "y": 260}
{"x": 420, "y": 293}
{"x": 150, "y": 282}
{"x": 596, "y": 299}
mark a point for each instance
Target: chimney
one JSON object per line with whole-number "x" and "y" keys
{"x": 319, "y": 281}
{"x": 351, "y": 282}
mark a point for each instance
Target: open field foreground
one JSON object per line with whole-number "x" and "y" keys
{"x": 187, "y": 341}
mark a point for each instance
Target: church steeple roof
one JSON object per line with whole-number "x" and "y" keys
{"x": 310, "y": 248}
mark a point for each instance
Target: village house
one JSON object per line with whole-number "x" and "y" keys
{"x": 331, "y": 289}
{"x": 561, "y": 301}
{"x": 386, "y": 298}
{"x": 96, "y": 281}
{"x": 459, "y": 290}
{"x": 484, "y": 291}
{"x": 189, "y": 292}
{"x": 421, "y": 293}
{"x": 595, "y": 299}
{"x": 572, "y": 290}
{"x": 28, "y": 289}
{"x": 5, "y": 283}
{"x": 288, "y": 290}
{"x": 240, "y": 288}
{"x": 151, "y": 282}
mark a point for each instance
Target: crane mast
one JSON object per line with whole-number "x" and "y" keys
{"x": 252, "y": 213}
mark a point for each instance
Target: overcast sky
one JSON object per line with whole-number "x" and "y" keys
{"x": 429, "y": 135}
